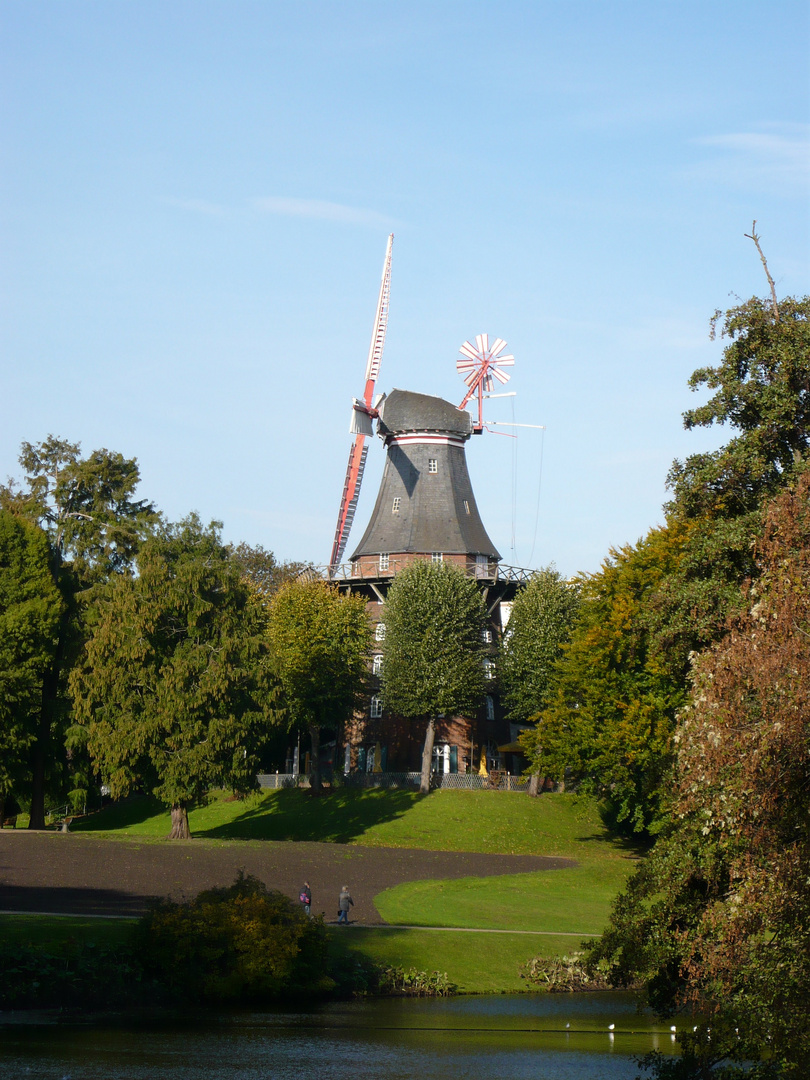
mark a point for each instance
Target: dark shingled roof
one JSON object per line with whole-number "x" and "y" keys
{"x": 403, "y": 411}
{"x": 435, "y": 511}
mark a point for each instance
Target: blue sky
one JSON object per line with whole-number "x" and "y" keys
{"x": 195, "y": 199}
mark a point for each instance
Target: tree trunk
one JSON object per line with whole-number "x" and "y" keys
{"x": 534, "y": 783}
{"x": 180, "y": 829}
{"x": 427, "y": 756}
{"x": 315, "y": 758}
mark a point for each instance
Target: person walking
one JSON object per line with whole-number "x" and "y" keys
{"x": 344, "y": 903}
{"x": 306, "y": 898}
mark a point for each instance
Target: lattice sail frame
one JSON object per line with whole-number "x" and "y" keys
{"x": 362, "y": 412}
{"x": 479, "y": 365}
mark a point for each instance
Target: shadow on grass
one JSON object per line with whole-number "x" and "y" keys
{"x": 135, "y": 810}
{"x": 338, "y": 816}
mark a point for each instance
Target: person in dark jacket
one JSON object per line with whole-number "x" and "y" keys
{"x": 306, "y": 897}
{"x": 344, "y": 903}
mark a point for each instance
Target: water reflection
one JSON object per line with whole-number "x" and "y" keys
{"x": 558, "y": 1037}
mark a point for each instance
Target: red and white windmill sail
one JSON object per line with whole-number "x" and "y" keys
{"x": 362, "y": 413}
{"x": 479, "y": 365}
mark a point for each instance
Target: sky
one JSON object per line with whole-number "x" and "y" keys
{"x": 195, "y": 199}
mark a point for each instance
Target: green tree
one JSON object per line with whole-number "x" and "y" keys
{"x": 320, "y": 642}
{"x": 611, "y": 712}
{"x": 94, "y": 525}
{"x": 434, "y": 653}
{"x": 30, "y": 614}
{"x": 717, "y": 919}
{"x": 174, "y": 685}
{"x": 539, "y": 625}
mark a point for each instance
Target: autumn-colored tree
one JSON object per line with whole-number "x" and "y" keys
{"x": 718, "y": 918}
{"x": 173, "y": 689}
{"x": 434, "y": 653}
{"x": 320, "y": 641}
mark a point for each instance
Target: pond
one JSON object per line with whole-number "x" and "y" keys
{"x": 508, "y": 1037}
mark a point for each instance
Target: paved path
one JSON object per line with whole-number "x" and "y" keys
{"x": 79, "y": 874}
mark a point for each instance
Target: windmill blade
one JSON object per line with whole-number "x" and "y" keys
{"x": 375, "y": 349}
{"x": 348, "y": 503}
{"x": 361, "y": 421}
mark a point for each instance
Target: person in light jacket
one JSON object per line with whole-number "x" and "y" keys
{"x": 344, "y": 903}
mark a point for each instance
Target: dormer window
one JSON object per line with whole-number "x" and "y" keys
{"x": 433, "y": 465}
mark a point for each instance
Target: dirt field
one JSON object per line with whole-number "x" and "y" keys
{"x": 83, "y": 875}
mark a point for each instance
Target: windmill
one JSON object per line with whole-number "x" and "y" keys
{"x": 362, "y": 412}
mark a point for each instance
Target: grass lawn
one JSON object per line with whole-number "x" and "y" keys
{"x": 575, "y": 900}
{"x": 484, "y": 821}
{"x": 477, "y": 963}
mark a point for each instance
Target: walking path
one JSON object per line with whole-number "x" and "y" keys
{"x": 79, "y": 874}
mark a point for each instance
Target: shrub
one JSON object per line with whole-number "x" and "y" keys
{"x": 241, "y": 943}
{"x": 563, "y": 974}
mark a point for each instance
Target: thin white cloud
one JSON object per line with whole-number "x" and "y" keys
{"x": 320, "y": 210}
{"x": 776, "y": 159}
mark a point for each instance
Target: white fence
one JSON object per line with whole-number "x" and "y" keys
{"x": 496, "y": 781}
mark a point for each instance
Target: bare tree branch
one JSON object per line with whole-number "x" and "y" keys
{"x": 753, "y": 236}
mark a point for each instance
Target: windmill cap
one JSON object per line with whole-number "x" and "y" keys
{"x": 404, "y": 411}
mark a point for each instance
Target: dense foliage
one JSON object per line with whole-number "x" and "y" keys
{"x": 320, "y": 641}
{"x": 173, "y": 687}
{"x": 539, "y": 625}
{"x": 243, "y": 943}
{"x": 31, "y": 608}
{"x": 94, "y": 526}
{"x": 718, "y": 919}
{"x": 434, "y": 652}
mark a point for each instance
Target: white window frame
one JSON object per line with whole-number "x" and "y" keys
{"x": 437, "y": 556}
{"x": 396, "y": 504}
{"x": 466, "y": 507}
{"x": 433, "y": 465}
{"x": 385, "y": 560}
{"x": 375, "y": 710}
{"x": 376, "y": 664}
{"x": 489, "y": 669}
{"x": 486, "y": 636}
{"x": 379, "y": 632}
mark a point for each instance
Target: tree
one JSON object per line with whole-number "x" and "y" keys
{"x": 94, "y": 526}
{"x": 609, "y": 717}
{"x": 718, "y": 917}
{"x": 261, "y": 568}
{"x": 320, "y": 642}
{"x": 173, "y": 688}
{"x": 434, "y": 653}
{"x": 30, "y": 614}
{"x": 539, "y": 625}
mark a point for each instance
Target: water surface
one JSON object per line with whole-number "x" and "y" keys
{"x": 507, "y": 1037}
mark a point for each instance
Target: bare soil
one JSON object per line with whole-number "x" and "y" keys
{"x": 83, "y": 875}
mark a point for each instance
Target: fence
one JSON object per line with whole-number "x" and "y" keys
{"x": 496, "y": 781}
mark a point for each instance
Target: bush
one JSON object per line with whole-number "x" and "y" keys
{"x": 71, "y": 976}
{"x": 563, "y": 974}
{"x": 236, "y": 944}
